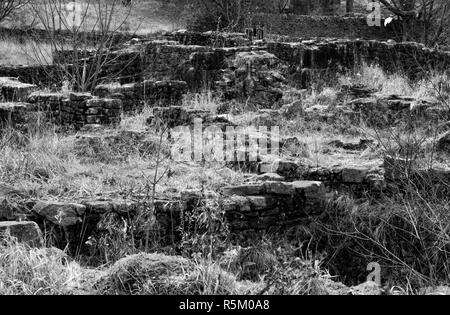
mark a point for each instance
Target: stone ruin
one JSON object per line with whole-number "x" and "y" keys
{"x": 162, "y": 70}
{"x": 281, "y": 193}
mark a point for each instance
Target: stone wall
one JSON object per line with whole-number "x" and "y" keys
{"x": 168, "y": 60}
{"x": 134, "y": 96}
{"x": 311, "y": 56}
{"x": 77, "y": 109}
{"x": 37, "y": 34}
{"x": 268, "y": 205}
{"x": 306, "y": 26}
{"x": 205, "y": 65}
{"x": 41, "y": 75}
{"x": 212, "y": 39}
{"x": 261, "y": 204}
{"x": 201, "y": 63}
{"x": 105, "y": 106}
{"x": 160, "y": 72}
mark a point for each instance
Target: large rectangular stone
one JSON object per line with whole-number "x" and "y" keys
{"x": 310, "y": 188}
{"x": 60, "y": 213}
{"x": 261, "y": 203}
{"x": 280, "y": 188}
{"x": 236, "y": 204}
{"x": 245, "y": 190}
{"x": 12, "y": 90}
{"x": 354, "y": 175}
{"x": 25, "y": 232}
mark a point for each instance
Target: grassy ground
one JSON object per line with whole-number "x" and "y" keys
{"x": 14, "y": 52}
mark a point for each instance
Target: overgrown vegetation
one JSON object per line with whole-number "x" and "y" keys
{"x": 404, "y": 228}
{"x": 26, "y": 271}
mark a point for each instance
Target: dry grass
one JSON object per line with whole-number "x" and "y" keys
{"x": 205, "y": 100}
{"x": 13, "y": 52}
{"x": 27, "y": 271}
{"x": 25, "y": 157}
{"x": 157, "y": 274}
{"x": 386, "y": 84}
{"x": 434, "y": 85}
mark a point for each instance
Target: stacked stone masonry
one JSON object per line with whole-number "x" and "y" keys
{"x": 199, "y": 60}
{"x": 22, "y": 102}
{"x": 77, "y": 109}
{"x": 262, "y": 206}
{"x": 294, "y": 195}
{"x": 308, "y": 26}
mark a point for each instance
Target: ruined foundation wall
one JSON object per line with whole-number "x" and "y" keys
{"x": 412, "y": 59}
{"x": 42, "y": 75}
{"x": 306, "y": 26}
{"x": 23, "y": 35}
{"x": 203, "y": 66}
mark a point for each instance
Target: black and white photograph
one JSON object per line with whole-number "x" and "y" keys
{"x": 223, "y": 153}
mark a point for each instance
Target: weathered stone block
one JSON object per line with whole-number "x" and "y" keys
{"x": 236, "y": 203}
{"x": 259, "y": 203}
{"x": 60, "y": 213}
{"x": 354, "y": 175}
{"x": 80, "y": 97}
{"x": 46, "y": 98}
{"x": 309, "y": 188}
{"x": 25, "y": 232}
{"x": 280, "y": 188}
{"x": 12, "y": 90}
{"x": 272, "y": 177}
{"x": 15, "y": 113}
{"x": 245, "y": 190}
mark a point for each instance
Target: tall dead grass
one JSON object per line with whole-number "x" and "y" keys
{"x": 32, "y": 271}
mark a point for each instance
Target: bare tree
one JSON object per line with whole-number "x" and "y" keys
{"x": 7, "y": 7}
{"x": 432, "y": 17}
{"x": 81, "y": 36}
